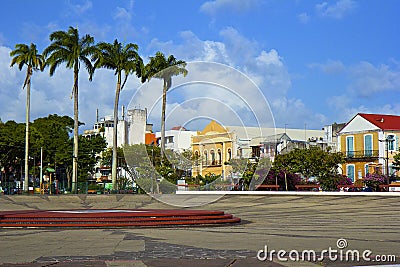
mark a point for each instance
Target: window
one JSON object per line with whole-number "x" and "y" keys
{"x": 212, "y": 157}
{"x": 368, "y": 145}
{"x": 366, "y": 169}
{"x": 219, "y": 157}
{"x": 390, "y": 142}
{"x": 205, "y": 158}
{"x": 350, "y": 146}
{"x": 229, "y": 154}
{"x": 350, "y": 171}
{"x": 196, "y": 157}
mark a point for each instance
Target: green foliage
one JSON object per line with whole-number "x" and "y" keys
{"x": 312, "y": 162}
{"x": 396, "y": 162}
{"x": 88, "y": 156}
{"x": 29, "y": 56}
{"x": 164, "y": 68}
{"x": 52, "y": 134}
{"x": 332, "y": 181}
{"x": 69, "y": 48}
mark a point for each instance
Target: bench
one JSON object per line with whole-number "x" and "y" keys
{"x": 307, "y": 186}
{"x": 268, "y": 186}
{"x": 387, "y": 186}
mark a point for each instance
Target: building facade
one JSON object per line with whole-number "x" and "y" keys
{"x": 369, "y": 143}
{"x": 213, "y": 148}
{"x": 178, "y": 138}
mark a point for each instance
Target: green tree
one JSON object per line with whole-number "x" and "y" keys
{"x": 28, "y": 56}
{"x": 11, "y": 148}
{"x": 163, "y": 68}
{"x": 52, "y": 136}
{"x": 67, "y": 47}
{"x": 396, "y": 162}
{"x": 122, "y": 59}
{"x": 89, "y": 155}
{"x": 311, "y": 162}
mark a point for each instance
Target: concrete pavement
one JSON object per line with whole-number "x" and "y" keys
{"x": 288, "y": 222}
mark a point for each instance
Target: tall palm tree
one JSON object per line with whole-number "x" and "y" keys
{"x": 123, "y": 59}
{"x": 28, "y": 56}
{"x": 67, "y": 47}
{"x": 164, "y": 68}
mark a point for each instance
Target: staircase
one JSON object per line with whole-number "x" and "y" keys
{"x": 113, "y": 218}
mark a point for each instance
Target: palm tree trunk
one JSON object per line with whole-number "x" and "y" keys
{"x": 76, "y": 130}
{"x": 28, "y": 106}
{"x": 115, "y": 135}
{"x": 164, "y": 104}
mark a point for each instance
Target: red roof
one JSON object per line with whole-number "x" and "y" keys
{"x": 178, "y": 128}
{"x": 385, "y": 122}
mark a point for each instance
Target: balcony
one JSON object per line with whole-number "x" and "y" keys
{"x": 212, "y": 163}
{"x": 361, "y": 155}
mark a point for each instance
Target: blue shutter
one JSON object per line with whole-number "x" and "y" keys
{"x": 350, "y": 146}
{"x": 396, "y": 143}
{"x": 368, "y": 145}
{"x": 350, "y": 172}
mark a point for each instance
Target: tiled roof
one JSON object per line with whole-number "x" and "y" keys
{"x": 385, "y": 122}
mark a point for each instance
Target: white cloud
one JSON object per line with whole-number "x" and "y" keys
{"x": 236, "y": 6}
{"x": 303, "y": 18}
{"x": 79, "y": 9}
{"x": 122, "y": 14}
{"x": 330, "y": 67}
{"x": 337, "y": 10}
{"x": 51, "y": 95}
{"x": 368, "y": 79}
{"x": 265, "y": 68}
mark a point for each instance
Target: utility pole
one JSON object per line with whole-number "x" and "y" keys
{"x": 41, "y": 169}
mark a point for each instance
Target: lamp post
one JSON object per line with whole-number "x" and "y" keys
{"x": 388, "y": 139}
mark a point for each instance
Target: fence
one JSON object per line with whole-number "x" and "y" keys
{"x": 62, "y": 187}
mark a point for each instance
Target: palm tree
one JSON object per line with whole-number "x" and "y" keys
{"x": 164, "y": 68}
{"x": 122, "y": 59}
{"x": 29, "y": 56}
{"x": 67, "y": 47}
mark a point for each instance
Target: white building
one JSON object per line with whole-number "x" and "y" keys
{"x": 131, "y": 131}
{"x": 178, "y": 138}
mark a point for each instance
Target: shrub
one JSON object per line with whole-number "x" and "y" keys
{"x": 291, "y": 178}
{"x": 331, "y": 182}
{"x": 374, "y": 180}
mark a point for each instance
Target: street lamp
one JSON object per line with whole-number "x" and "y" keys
{"x": 388, "y": 139}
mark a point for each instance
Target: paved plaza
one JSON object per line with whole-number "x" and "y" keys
{"x": 280, "y": 222}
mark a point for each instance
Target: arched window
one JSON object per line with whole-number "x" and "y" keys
{"x": 196, "y": 157}
{"x": 219, "y": 159}
{"x": 212, "y": 152}
{"x": 229, "y": 154}
{"x": 205, "y": 162}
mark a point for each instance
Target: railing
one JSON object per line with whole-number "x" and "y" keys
{"x": 362, "y": 154}
{"x": 211, "y": 163}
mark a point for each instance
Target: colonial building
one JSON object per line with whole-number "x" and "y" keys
{"x": 369, "y": 142}
{"x": 216, "y": 145}
{"x": 213, "y": 147}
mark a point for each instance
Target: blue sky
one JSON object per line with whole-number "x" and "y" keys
{"x": 316, "y": 62}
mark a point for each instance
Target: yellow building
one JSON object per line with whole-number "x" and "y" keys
{"x": 213, "y": 147}
{"x": 369, "y": 142}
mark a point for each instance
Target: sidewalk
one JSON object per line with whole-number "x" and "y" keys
{"x": 281, "y": 222}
